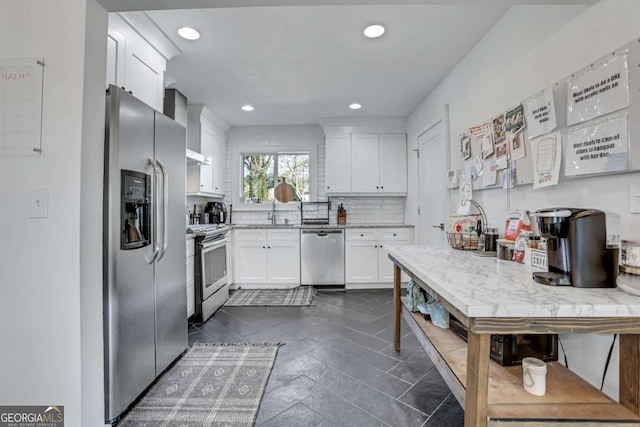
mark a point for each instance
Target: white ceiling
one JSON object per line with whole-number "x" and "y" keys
{"x": 297, "y": 64}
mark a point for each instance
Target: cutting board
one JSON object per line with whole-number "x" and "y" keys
{"x": 284, "y": 192}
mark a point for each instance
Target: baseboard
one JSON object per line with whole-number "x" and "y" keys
{"x": 264, "y": 285}
{"x": 372, "y": 285}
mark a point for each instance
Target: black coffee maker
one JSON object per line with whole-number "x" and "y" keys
{"x": 217, "y": 212}
{"x": 577, "y": 251}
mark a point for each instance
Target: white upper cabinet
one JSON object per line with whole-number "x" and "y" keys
{"x": 379, "y": 164}
{"x": 393, "y": 163}
{"x": 134, "y": 64}
{"x": 365, "y": 165}
{"x": 338, "y": 164}
{"x": 209, "y": 139}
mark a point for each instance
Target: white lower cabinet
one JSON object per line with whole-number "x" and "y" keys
{"x": 266, "y": 257}
{"x": 367, "y": 260}
{"x": 191, "y": 278}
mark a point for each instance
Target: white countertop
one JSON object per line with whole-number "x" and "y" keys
{"x": 488, "y": 287}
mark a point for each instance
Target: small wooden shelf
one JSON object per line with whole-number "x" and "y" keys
{"x": 569, "y": 400}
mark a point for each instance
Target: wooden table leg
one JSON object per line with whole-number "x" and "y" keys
{"x": 629, "y": 391}
{"x": 475, "y": 411}
{"x": 396, "y": 296}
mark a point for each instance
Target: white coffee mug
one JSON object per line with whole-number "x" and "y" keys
{"x": 534, "y": 376}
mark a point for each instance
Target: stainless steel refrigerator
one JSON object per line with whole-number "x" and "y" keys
{"x": 145, "y": 303}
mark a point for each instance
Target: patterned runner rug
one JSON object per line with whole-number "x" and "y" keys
{"x": 212, "y": 385}
{"x": 300, "y": 296}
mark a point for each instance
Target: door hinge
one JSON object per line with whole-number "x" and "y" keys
{"x": 417, "y": 152}
{"x": 418, "y": 210}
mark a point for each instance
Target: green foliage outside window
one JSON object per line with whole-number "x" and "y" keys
{"x": 259, "y": 170}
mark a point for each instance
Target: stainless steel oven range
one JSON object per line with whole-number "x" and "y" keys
{"x": 211, "y": 282}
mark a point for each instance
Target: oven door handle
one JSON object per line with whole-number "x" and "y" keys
{"x": 156, "y": 187}
{"x": 215, "y": 244}
{"x": 165, "y": 209}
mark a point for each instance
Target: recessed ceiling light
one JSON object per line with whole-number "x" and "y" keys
{"x": 247, "y": 108}
{"x": 373, "y": 31}
{"x": 355, "y": 106}
{"x": 188, "y": 33}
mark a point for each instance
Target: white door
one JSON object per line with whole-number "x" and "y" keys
{"x": 434, "y": 197}
{"x": 219, "y": 165}
{"x": 365, "y": 163}
{"x": 206, "y": 171}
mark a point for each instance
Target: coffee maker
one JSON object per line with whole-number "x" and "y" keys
{"x": 217, "y": 212}
{"x": 577, "y": 250}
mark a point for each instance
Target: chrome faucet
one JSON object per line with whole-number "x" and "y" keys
{"x": 272, "y": 214}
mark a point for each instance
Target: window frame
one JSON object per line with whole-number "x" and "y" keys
{"x": 309, "y": 148}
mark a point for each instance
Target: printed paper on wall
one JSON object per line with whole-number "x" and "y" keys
{"x": 598, "y": 91}
{"x": 540, "y": 113}
{"x": 546, "y": 155}
{"x": 600, "y": 147}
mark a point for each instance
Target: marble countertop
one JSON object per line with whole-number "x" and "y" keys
{"x": 488, "y": 287}
{"x": 297, "y": 226}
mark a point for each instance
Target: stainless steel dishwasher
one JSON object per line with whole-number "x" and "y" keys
{"x": 322, "y": 257}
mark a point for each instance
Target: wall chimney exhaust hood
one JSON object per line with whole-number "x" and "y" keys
{"x": 195, "y": 158}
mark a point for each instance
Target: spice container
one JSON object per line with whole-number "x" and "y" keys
{"x": 630, "y": 257}
{"x": 491, "y": 240}
{"x": 534, "y": 242}
{"x": 505, "y": 249}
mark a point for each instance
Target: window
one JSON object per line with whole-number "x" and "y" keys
{"x": 265, "y": 176}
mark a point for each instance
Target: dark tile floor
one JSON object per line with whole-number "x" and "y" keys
{"x": 338, "y": 366}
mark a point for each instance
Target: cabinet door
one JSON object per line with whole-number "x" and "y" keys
{"x": 365, "y": 165}
{"x": 385, "y": 265}
{"x": 143, "y": 80}
{"x": 219, "y": 165}
{"x": 207, "y": 140}
{"x": 338, "y": 164}
{"x": 361, "y": 261}
{"x": 250, "y": 262}
{"x": 116, "y": 48}
{"x": 393, "y": 163}
{"x": 283, "y": 264}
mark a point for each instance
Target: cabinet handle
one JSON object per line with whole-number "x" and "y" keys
{"x": 268, "y": 247}
{"x": 263, "y": 247}
{"x": 375, "y": 246}
{"x": 328, "y": 187}
{"x": 394, "y": 234}
{"x": 381, "y": 246}
{"x": 377, "y": 187}
{"x": 382, "y": 188}
{"x": 362, "y": 235}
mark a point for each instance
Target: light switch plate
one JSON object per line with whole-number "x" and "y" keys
{"x": 39, "y": 203}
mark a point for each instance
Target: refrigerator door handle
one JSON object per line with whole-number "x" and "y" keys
{"x": 165, "y": 209}
{"x": 156, "y": 187}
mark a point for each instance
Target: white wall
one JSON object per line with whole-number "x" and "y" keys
{"x": 530, "y": 47}
{"x": 40, "y": 310}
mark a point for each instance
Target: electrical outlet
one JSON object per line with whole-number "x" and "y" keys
{"x": 39, "y": 203}
{"x": 634, "y": 198}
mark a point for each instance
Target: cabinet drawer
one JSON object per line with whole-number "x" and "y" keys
{"x": 397, "y": 234}
{"x": 278, "y": 235}
{"x": 362, "y": 234}
{"x": 250, "y": 235}
{"x": 190, "y": 247}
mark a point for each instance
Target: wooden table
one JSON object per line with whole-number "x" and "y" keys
{"x": 490, "y": 393}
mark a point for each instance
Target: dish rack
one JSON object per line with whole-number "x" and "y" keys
{"x": 466, "y": 241}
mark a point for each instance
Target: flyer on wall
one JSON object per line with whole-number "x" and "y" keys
{"x": 481, "y": 137}
{"x": 514, "y": 119}
{"x": 490, "y": 174}
{"x": 546, "y": 155}
{"x": 598, "y": 91}
{"x": 499, "y": 130}
{"x": 466, "y": 190}
{"x": 599, "y": 147}
{"x": 540, "y": 113}
{"x": 516, "y": 146}
{"x": 465, "y": 146}
{"x": 502, "y": 151}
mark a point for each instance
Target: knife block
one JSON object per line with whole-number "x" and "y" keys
{"x": 342, "y": 218}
